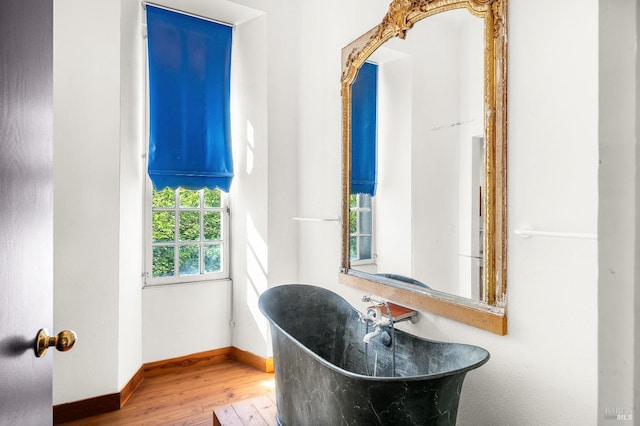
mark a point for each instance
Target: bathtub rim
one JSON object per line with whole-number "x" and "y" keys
{"x": 314, "y": 355}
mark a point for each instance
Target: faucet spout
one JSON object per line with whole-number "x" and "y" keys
{"x": 374, "y": 333}
{"x": 375, "y": 317}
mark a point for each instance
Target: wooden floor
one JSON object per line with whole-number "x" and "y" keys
{"x": 187, "y": 396}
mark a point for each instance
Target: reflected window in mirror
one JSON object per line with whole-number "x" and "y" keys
{"x": 364, "y": 165}
{"x": 361, "y": 242}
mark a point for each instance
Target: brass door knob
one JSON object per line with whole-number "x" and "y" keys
{"x": 63, "y": 341}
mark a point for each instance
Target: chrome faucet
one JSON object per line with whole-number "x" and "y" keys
{"x": 375, "y": 317}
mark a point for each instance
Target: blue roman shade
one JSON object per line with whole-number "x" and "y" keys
{"x": 364, "y": 130}
{"x": 189, "y": 89}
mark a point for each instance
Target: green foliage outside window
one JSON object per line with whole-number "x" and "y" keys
{"x": 163, "y": 261}
{"x": 164, "y": 224}
{"x": 199, "y": 232}
{"x": 164, "y": 198}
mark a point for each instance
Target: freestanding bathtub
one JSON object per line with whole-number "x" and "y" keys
{"x": 326, "y": 375}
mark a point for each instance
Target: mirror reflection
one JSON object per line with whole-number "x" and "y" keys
{"x": 423, "y": 220}
{"x": 424, "y": 168}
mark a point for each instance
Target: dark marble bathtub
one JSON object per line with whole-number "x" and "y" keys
{"x": 326, "y": 375}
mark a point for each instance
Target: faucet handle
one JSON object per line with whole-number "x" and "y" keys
{"x": 369, "y": 316}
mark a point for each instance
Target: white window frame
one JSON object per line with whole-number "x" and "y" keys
{"x": 225, "y": 274}
{"x": 358, "y": 208}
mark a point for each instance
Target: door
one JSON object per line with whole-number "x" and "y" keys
{"x": 26, "y": 209}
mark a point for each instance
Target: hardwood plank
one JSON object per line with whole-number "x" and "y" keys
{"x": 186, "y": 396}
{"x": 237, "y": 394}
{"x": 219, "y": 390}
{"x": 113, "y": 402}
{"x": 219, "y": 379}
{"x": 206, "y": 373}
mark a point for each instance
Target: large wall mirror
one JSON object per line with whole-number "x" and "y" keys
{"x": 424, "y": 159}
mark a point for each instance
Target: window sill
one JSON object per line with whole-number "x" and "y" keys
{"x": 198, "y": 282}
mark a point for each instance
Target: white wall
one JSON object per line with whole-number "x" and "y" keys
{"x": 185, "y": 319}
{"x": 551, "y": 349}
{"x": 265, "y": 251}
{"x": 618, "y": 229}
{"x": 131, "y": 202}
{"x": 87, "y": 196}
{"x": 250, "y": 193}
{"x": 392, "y": 203}
{"x": 98, "y": 204}
{"x": 435, "y": 156}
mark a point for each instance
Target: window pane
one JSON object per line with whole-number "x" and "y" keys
{"x": 189, "y": 198}
{"x": 212, "y": 198}
{"x": 365, "y": 200}
{"x": 190, "y": 260}
{"x": 365, "y": 222}
{"x": 353, "y": 248}
{"x": 187, "y": 235}
{"x": 353, "y": 201}
{"x": 163, "y": 261}
{"x": 212, "y": 228}
{"x": 164, "y": 226}
{"x": 165, "y": 198}
{"x": 365, "y": 248}
{"x": 353, "y": 222}
{"x": 189, "y": 226}
{"x": 212, "y": 258}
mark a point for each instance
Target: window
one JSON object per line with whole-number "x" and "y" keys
{"x": 361, "y": 229}
{"x": 189, "y": 158}
{"x": 364, "y": 163}
{"x": 189, "y": 236}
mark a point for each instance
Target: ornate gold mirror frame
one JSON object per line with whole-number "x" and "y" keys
{"x": 490, "y": 312}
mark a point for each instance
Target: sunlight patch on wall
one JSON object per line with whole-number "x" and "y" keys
{"x": 261, "y": 322}
{"x": 250, "y": 145}
{"x": 257, "y": 257}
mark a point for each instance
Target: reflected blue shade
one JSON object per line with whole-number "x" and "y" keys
{"x": 189, "y": 89}
{"x": 364, "y": 130}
